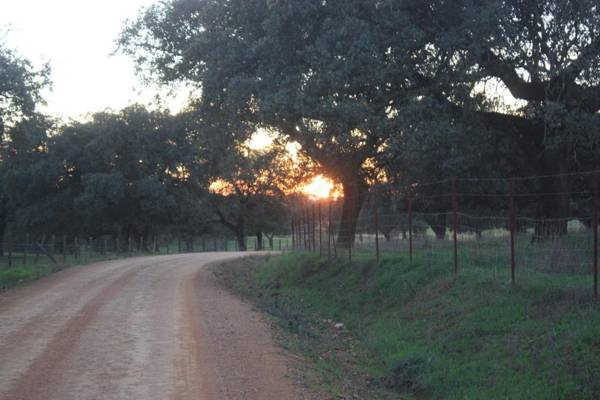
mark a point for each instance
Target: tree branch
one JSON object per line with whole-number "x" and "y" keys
{"x": 222, "y": 220}
{"x": 519, "y": 88}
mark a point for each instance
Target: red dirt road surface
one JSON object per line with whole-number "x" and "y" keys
{"x": 152, "y": 328}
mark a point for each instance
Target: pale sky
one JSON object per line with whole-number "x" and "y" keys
{"x": 77, "y": 38}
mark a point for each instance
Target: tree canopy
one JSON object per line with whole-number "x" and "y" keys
{"x": 402, "y": 92}
{"x": 351, "y": 81}
{"x": 327, "y": 75}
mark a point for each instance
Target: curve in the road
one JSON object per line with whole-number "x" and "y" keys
{"x": 152, "y": 328}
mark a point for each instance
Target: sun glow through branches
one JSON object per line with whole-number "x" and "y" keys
{"x": 321, "y": 187}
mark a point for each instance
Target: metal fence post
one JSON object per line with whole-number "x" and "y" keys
{"x": 329, "y": 228}
{"x": 350, "y": 251}
{"x": 350, "y": 244}
{"x": 314, "y": 228}
{"x": 25, "y": 248}
{"x": 76, "y": 242}
{"x": 300, "y": 227}
{"x": 293, "y": 234}
{"x": 513, "y": 228}
{"x": 333, "y": 243}
{"x": 320, "y": 231}
{"x": 595, "y": 234}
{"x": 455, "y": 224}
{"x": 65, "y": 249}
{"x": 10, "y": 251}
{"x": 376, "y": 232}
{"x": 90, "y": 248}
{"x": 301, "y": 230}
{"x": 410, "y": 224}
{"x": 298, "y": 242}
{"x": 309, "y": 229}
{"x": 299, "y": 237}
{"x": 306, "y": 230}
{"x": 52, "y": 245}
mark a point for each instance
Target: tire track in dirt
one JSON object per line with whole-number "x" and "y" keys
{"x": 27, "y": 326}
{"x": 44, "y": 373}
{"x": 153, "y": 328}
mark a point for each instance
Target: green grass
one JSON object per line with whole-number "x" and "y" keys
{"x": 41, "y": 266}
{"x": 425, "y": 332}
{"x": 16, "y": 275}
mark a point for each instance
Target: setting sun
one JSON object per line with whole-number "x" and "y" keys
{"x": 321, "y": 187}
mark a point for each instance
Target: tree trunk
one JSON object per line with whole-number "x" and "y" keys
{"x": 259, "y": 241}
{"x": 270, "y": 239}
{"x": 238, "y": 228}
{"x": 241, "y": 240}
{"x": 355, "y": 190}
{"x": 2, "y": 228}
{"x": 146, "y": 239}
{"x": 189, "y": 244}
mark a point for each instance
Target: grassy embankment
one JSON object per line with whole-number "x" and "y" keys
{"x": 419, "y": 331}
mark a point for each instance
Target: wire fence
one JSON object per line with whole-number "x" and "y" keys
{"x": 64, "y": 250}
{"x": 525, "y": 229}
{"x": 541, "y": 228}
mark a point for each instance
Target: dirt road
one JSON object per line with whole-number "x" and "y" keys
{"x": 153, "y": 328}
